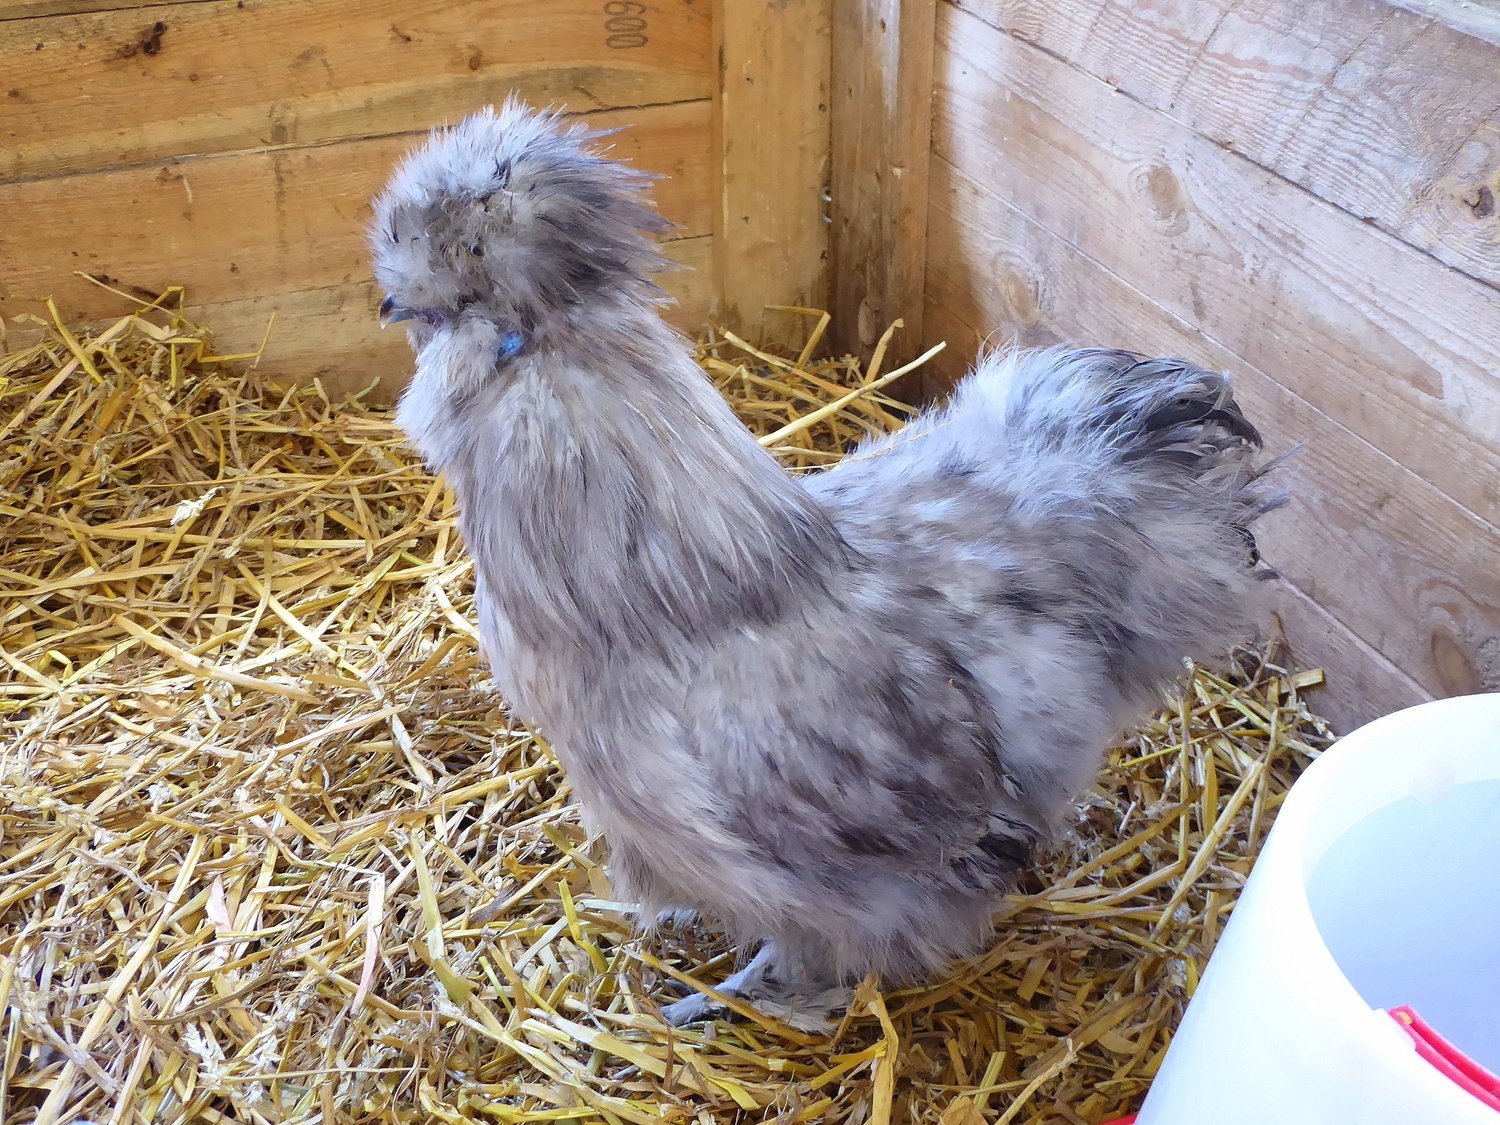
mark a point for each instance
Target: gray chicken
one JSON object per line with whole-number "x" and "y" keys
{"x": 835, "y": 713}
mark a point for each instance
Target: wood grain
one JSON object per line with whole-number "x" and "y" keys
{"x": 137, "y": 84}
{"x": 1400, "y": 349}
{"x": 1404, "y": 569}
{"x": 1392, "y": 115}
{"x": 259, "y": 224}
{"x": 771, "y": 136}
{"x": 882, "y": 133}
{"x": 330, "y": 333}
{"x": 31, "y": 9}
{"x": 1479, "y": 18}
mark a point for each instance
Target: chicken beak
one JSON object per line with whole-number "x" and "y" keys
{"x": 392, "y": 313}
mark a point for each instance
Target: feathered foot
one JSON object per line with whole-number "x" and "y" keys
{"x": 776, "y": 985}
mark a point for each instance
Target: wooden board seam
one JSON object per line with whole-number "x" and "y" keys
{"x": 1371, "y": 332}
{"x": 1489, "y": 123}
{"x": 1193, "y": 329}
{"x": 672, "y": 268}
{"x": 1373, "y": 654}
{"x": 22, "y": 12}
{"x": 190, "y": 158}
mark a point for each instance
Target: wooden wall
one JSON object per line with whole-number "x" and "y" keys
{"x": 232, "y": 146}
{"x": 1305, "y": 194}
{"x": 1302, "y": 194}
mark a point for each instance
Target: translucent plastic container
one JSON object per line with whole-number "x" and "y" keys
{"x": 1379, "y": 887}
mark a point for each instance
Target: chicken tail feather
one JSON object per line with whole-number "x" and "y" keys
{"x": 1175, "y": 413}
{"x": 1147, "y": 478}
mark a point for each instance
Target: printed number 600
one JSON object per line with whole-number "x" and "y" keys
{"x": 625, "y": 24}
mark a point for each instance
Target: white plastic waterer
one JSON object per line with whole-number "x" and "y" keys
{"x": 1379, "y": 886}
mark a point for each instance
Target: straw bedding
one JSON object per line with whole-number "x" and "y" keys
{"x": 270, "y": 850}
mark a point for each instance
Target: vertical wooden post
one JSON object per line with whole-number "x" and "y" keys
{"x": 771, "y": 139}
{"x": 882, "y": 134}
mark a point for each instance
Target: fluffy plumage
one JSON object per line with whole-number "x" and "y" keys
{"x": 839, "y": 712}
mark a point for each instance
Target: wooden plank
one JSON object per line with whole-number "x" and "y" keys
{"x": 1479, "y": 18}
{"x": 1380, "y": 337}
{"x": 1362, "y": 684}
{"x": 31, "y": 9}
{"x": 1391, "y": 115}
{"x": 882, "y": 133}
{"x": 331, "y": 333}
{"x": 943, "y": 321}
{"x": 109, "y": 89}
{"x": 1406, "y": 570}
{"x": 771, "y": 134}
{"x": 265, "y": 223}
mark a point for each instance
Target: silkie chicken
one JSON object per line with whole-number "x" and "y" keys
{"x": 834, "y": 714}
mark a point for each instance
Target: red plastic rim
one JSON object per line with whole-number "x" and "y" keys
{"x": 1456, "y": 1066}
